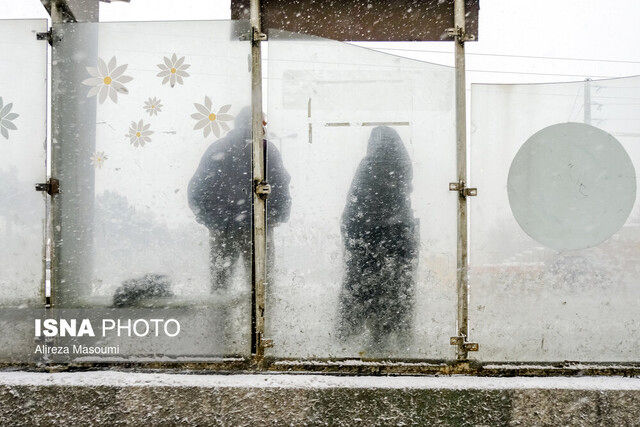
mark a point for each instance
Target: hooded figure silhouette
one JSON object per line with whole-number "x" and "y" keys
{"x": 380, "y": 237}
{"x": 220, "y": 197}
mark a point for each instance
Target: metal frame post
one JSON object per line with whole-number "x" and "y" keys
{"x": 462, "y": 280}
{"x": 59, "y": 14}
{"x": 72, "y": 210}
{"x": 259, "y": 231}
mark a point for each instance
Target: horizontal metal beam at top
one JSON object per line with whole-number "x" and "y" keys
{"x": 357, "y": 20}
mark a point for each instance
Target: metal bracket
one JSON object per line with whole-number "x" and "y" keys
{"x": 262, "y": 189}
{"x": 258, "y": 36}
{"x": 462, "y": 343}
{"x": 463, "y": 189}
{"x": 45, "y": 36}
{"x": 459, "y": 34}
{"x": 255, "y": 36}
{"x": 52, "y": 186}
{"x": 48, "y": 36}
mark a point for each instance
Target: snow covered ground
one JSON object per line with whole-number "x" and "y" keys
{"x": 120, "y": 379}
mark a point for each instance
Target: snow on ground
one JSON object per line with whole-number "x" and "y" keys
{"x": 120, "y": 379}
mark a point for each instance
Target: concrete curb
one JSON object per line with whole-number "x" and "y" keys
{"x": 123, "y": 398}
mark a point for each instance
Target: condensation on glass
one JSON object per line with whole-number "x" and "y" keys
{"x": 23, "y": 129}
{"x": 151, "y": 128}
{"x": 363, "y": 264}
{"x": 555, "y": 232}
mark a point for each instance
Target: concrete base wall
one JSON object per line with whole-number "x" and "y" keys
{"x": 112, "y": 398}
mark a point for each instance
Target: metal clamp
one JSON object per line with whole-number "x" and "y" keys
{"x": 463, "y": 189}
{"x": 52, "y": 186}
{"x": 44, "y": 36}
{"x": 459, "y": 34}
{"x": 48, "y": 36}
{"x": 255, "y": 36}
{"x": 463, "y": 344}
{"x": 262, "y": 189}
{"x": 258, "y": 36}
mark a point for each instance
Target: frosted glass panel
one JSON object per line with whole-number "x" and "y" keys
{"x": 23, "y": 104}
{"x": 555, "y": 230}
{"x": 23, "y": 133}
{"x": 151, "y": 130}
{"x": 362, "y": 225}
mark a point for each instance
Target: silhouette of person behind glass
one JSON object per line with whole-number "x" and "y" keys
{"x": 220, "y": 197}
{"x": 380, "y": 237}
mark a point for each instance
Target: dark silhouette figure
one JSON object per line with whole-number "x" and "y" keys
{"x": 381, "y": 238}
{"x": 220, "y": 197}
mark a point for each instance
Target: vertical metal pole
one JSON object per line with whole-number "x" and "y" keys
{"x": 259, "y": 203}
{"x": 461, "y": 160}
{"x": 73, "y": 142}
{"x": 587, "y": 101}
{"x": 57, "y": 17}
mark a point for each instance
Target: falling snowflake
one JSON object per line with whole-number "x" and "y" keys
{"x": 153, "y": 106}
{"x": 209, "y": 121}
{"x": 98, "y": 158}
{"x": 139, "y": 133}
{"x": 6, "y": 118}
{"x": 173, "y": 70}
{"x": 107, "y": 79}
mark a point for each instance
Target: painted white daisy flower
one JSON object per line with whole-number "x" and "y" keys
{"x": 153, "y": 106}
{"x": 139, "y": 133}
{"x": 6, "y": 118}
{"x": 107, "y": 79}
{"x": 98, "y": 158}
{"x": 173, "y": 70}
{"x": 209, "y": 121}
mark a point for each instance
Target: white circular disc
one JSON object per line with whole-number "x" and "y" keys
{"x": 571, "y": 186}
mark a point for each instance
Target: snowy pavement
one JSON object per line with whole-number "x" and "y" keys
{"x": 136, "y": 379}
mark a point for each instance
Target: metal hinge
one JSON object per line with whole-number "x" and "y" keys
{"x": 52, "y": 186}
{"x": 262, "y": 189}
{"x": 48, "y": 36}
{"x": 463, "y": 189}
{"x": 459, "y": 34}
{"x": 462, "y": 343}
{"x": 255, "y": 36}
{"x": 44, "y": 36}
{"x": 258, "y": 36}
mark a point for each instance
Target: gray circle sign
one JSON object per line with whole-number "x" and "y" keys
{"x": 571, "y": 186}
